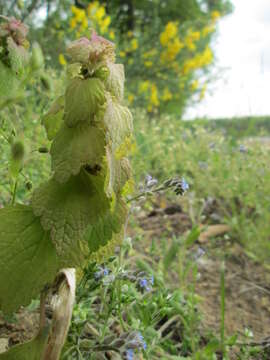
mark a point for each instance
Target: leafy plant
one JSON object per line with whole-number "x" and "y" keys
{"x": 80, "y": 212}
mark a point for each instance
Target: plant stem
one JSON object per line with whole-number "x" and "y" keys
{"x": 14, "y": 191}
{"x": 222, "y": 309}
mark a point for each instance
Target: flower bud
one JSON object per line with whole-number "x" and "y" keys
{"x": 37, "y": 60}
{"x": 17, "y": 150}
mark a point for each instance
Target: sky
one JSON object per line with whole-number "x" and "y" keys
{"x": 242, "y": 50}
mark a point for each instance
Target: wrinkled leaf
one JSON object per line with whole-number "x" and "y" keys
{"x": 28, "y": 259}
{"x": 118, "y": 123}
{"x": 119, "y": 172}
{"x": 107, "y": 229}
{"x": 115, "y": 80}
{"x": 83, "y": 99}
{"x": 53, "y": 120}
{"x": 8, "y": 83}
{"x": 67, "y": 209}
{"x": 74, "y": 147}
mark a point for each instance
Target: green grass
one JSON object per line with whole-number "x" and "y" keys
{"x": 232, "y": 171}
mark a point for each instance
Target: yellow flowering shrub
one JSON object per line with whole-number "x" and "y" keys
{"x": 162, "y": 68}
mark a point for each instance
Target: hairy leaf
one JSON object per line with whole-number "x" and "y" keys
{"x": 54, "y": 118}
{"x": 28, "y": 259}
{"x": 118, "y": 123}
{"x": 119, "y": 172}
{"x": 31, "y": 350}
{"x": 115, "y": 80}
{"x": 68, "y": 209}
{"x": 107, "y": 228}
{"x": 83, "y": 98}
{"x": 18, "y": 56}
{"x": 74, "y": 147}
{"x": 8, "y": 83}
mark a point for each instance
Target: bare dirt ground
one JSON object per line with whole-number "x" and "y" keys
{"x": 247, "y": 282}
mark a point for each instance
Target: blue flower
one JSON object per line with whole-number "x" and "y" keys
{"x": 184, "y": 184}
{"x": 101, "y": 273}
{"x": 142, "y": 342}
{"x": 143, "y": 283}
{"x": 130, "y": 354}
{"x": 150, "y": 181}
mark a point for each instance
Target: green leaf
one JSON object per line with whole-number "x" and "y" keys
{"x": 9, "y": 84}
{"x": 31, "y": 350}
{"x": 54, "y": 118}
{"x": 119, "y": 172}
{"x": 193, "y": 236}
{"x": 115, "y": 80}
{"x": 83, "y": 97}
{"x": 74, "y": 147}
{"x": 18, "y": 56}
{"x": 103, "y": 236}
{"x": 28, "y": 260}
{"x": 67, "y": 209}
{"x": 118, "y": 123}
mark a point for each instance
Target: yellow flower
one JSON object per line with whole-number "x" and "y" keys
{"x": 92, "y": 7}
{"x": 149, "y": 108}
{"x": 134, "y": 44}
{"x": 122, "y": 54}
{"x": 130, "y": 98}
{"x": 154, "y": 95}
{"x": 215, "y": 15}
{"x": 85, "y": 23}
{"x": 80, "y": 15}
{"x": 148, "y": 63}
{"x": 191, "y": 37}
{"x": 144, "y": 86}
{"x": 194, "y": 85}
{"x": 74, "y": 9}
{"x": 163, "y": 39}
{"x": 112, "y": 35}
{"x": 169, "y": 33}
{"x": 167, "y": 95}
{"x": 72, "y": 23}
{"x": 203, "y": 91}
{"x": 171, "y": 29}
{"x": 107, "y": 21}
{"x": 207, "y": 30}
{"x": 62, "y": 60}
{"x": 130, "y": 34}
{"x": 199, "y": 61}
{"x": 100, "y": 13}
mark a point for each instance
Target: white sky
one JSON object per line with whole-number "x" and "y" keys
{"x": 243, "y": 47}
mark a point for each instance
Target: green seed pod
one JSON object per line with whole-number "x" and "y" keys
{"x": 46, "y": 82}
{"x": 37, "y": 59}
{"x": 17, "y": 150}
{"x": 28, "y": 185}
{"x": 43, "y": 150}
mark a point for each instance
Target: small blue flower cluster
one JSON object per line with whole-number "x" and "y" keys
{"x": 137, "y": 342}
{"x": 179, "y": 186}
{"x": 101, "y": 273}
{"x": 146, "y": 284}
{"x": 150, "y": 181}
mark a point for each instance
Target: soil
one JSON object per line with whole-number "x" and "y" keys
{"x": 247, "y": 282}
